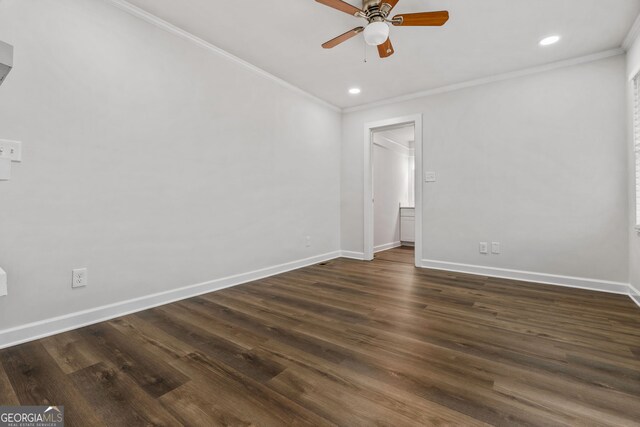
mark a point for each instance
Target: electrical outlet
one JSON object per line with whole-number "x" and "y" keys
{"x": 308, "y": 241}
{"x": 12, "y": 149}
{"x": 495, "y": 248}
{"x": 79, "y": 278}
{"x": 484, "y": 248}
{"x": 429, "y": 177}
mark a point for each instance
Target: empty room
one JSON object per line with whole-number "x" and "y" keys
{"x": 319, "y": 212}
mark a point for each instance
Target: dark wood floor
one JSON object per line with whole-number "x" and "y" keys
{"x": 347, "y": 343}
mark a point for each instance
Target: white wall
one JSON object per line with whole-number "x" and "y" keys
{"x": 633, "y": 67}
{"x": 149, "y": 160}
{"x": 390, "y": 189}
{"x": 537, "y": 163}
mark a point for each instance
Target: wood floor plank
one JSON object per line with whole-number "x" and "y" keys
{"x": 7, "y": 395}
{"x": 403, "y": 254}
{"x": 244, "y": 400}
{"x": 419, "y": 410}
{"x": 70, "y": 351}
{"x": 560, "y": 402}
{"x": 189, "y": 404}
{"x": 152, "y": 374}
{"x": 238, "y": 358}
{"x": 348, "y": 343}
{"x": 118, "y": 400}
{"x": 330, "y": 400}
{"x": 152, "y": 338}
{"x": 37, "y": 380}
{"x": 325, "y": 349}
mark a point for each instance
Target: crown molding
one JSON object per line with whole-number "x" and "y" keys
{"x": 164, "y": 25}
{"x": 632, "y": 35}
{"x": 492, "y": 79}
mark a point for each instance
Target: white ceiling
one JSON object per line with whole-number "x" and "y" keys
{"x": 482, "y": 38}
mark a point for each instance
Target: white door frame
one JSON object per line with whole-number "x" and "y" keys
{"x": 416, "y": 120}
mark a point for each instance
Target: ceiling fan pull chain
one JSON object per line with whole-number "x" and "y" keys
{"x": 365, "y": 52}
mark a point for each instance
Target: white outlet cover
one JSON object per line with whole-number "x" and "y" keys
{"x": 13, "y": 149}
{"x": 484, "y": 248}
{"x": 79, "y": 278}
{"x": 495, "y": 248}
{"x": 429, "y": 177}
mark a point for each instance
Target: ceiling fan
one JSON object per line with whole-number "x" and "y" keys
{"x": 376, "y": 32}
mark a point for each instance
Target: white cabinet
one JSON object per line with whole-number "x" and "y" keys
{"x": 407, "y": 225}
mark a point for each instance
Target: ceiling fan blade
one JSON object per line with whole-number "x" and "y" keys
{"x": 385, "y": 50}
{"x": 343, "y": 38}
{"x": 425, "y": 19}
{"x": 343, "y": 7}
{"x": 387, "y": 5}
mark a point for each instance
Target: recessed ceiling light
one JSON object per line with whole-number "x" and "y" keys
{"x": 354, "y": 90}
{"x": 547, "y": 41}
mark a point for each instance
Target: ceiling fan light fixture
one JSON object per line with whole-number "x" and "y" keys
{"x": 376, "y": 33}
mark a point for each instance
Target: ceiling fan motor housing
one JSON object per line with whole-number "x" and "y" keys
{"x": 366, "y": 4}
{"x": 372, "y": 8}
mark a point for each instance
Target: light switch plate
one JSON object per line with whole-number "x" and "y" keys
{"x": 13, "y": 149}
{"x": 429, "y": 177}
{"x": 495, "y": 248}
{"x": 3, "y": 283}
{"x": 484, "y": 248}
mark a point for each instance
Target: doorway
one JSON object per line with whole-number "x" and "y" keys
{"x": 393, "y": 186}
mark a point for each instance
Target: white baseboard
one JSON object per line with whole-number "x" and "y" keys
{"x": 386, "y": 246}
{"x": 634, "y": 294}
{"x": 529, "y": 276}
{"x": 56, "y": 325}
{"x": 352, "y": 255}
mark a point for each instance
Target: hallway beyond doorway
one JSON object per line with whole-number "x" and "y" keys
{"x": 402, "y": 254}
